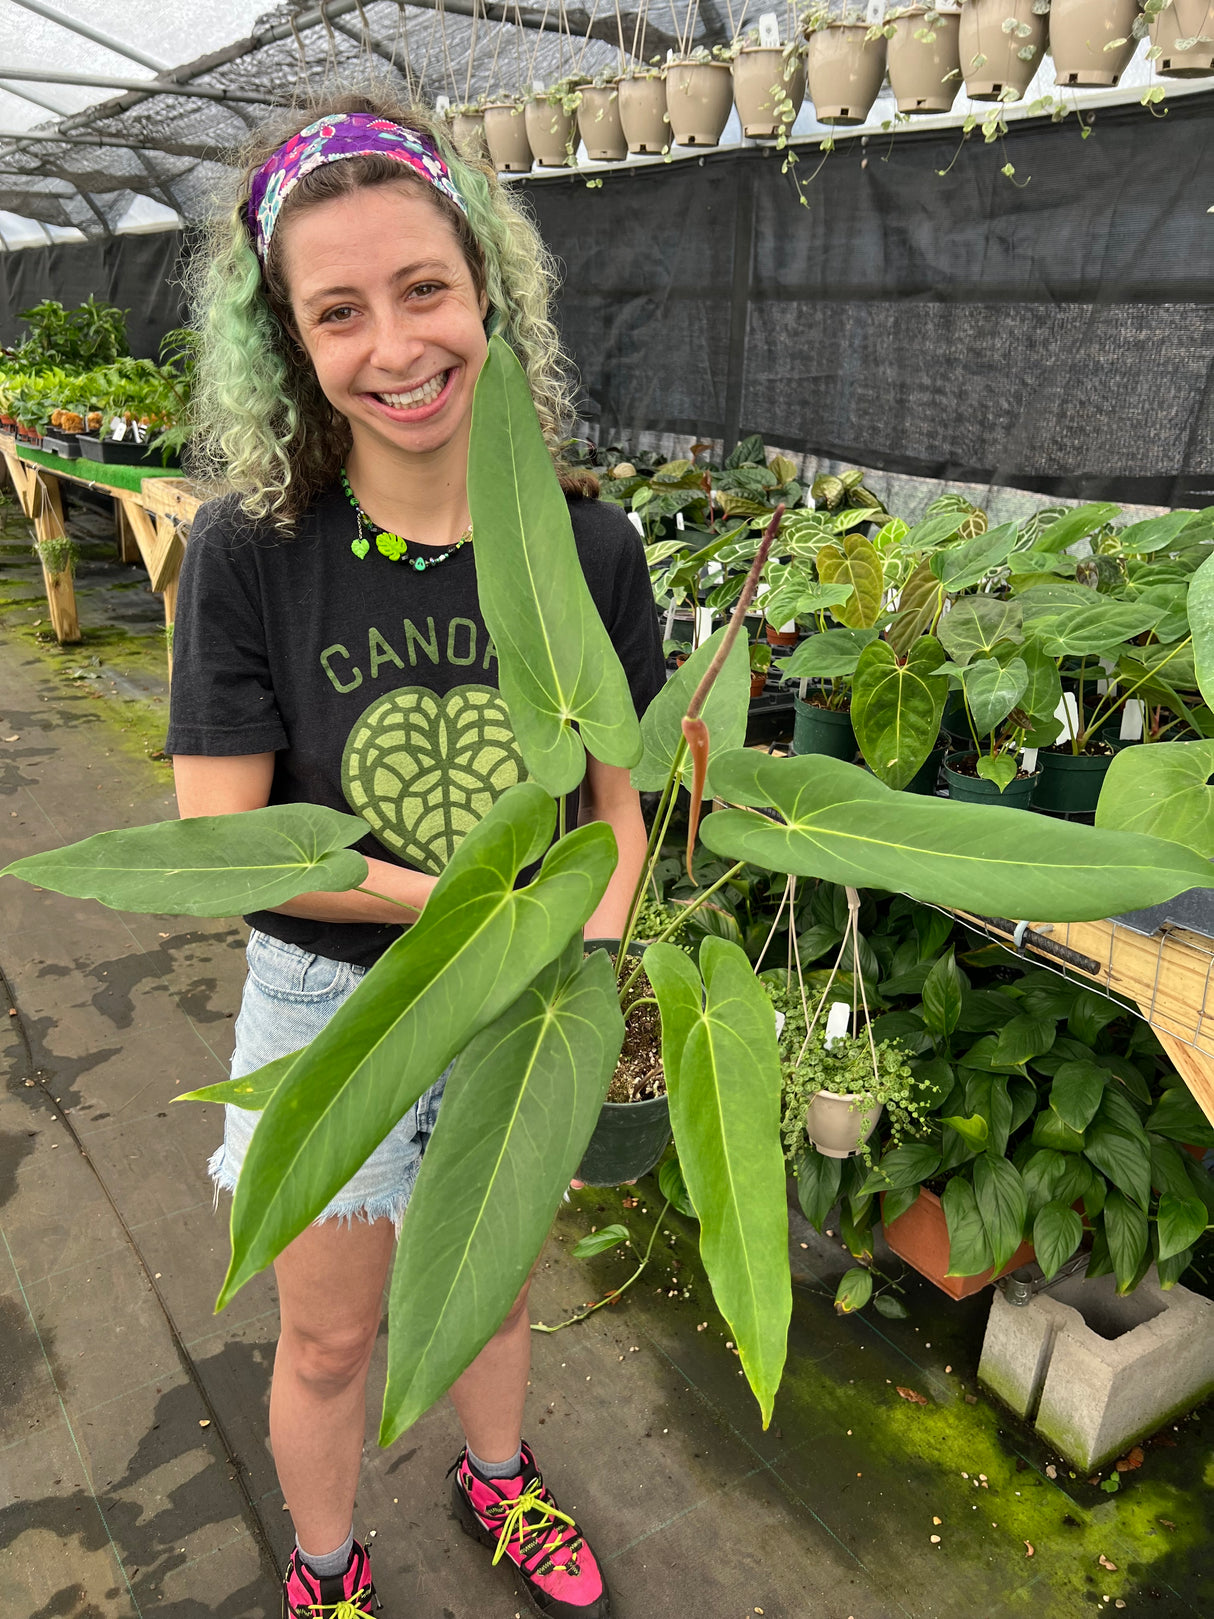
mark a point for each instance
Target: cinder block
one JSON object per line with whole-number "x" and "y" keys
{"x": 1096, "y": 1371}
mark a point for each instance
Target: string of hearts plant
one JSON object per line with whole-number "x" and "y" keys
{"x": 494, "y": 978}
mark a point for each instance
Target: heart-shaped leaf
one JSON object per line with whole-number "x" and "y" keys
{"x": 992, "y": 690}
{"x": 1077, "y": 1091}
{"x": 831, "y": 654}
{"x": 518, "y": 1109}
{"x": 896, "y": 707}
{"x": 1086, "y": 632}
{"x": 919, "y": 606}
{"x": 557, "y": 668}
{"x": 1002, "y": 769}
{"x": 209, "y": 865}
{"x": 724, "y": 713}
{"x": 1162, "y": 790}
{"x": 844, "y": 825}
{"x": 854, "y": 1290}
{"x": 476, "y": 946}
{"x": 1181, "y": 1221}
{"x": 959, "y": 566}
{"x": 856, "y": 562}
{"x": 1075, "y": 525}
{"x": 973, "y": 626}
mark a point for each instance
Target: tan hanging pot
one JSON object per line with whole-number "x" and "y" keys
{"x": 506, "y": 138}
{"x": 550, "y": 133}
{"x": 1081, "y": 32}
{"x": 468, "y": 133}
{"x": 1185, "y": 21}
{"x": 643, "y": 115}
{"x": 993, "y": 61}
{"x": 925, "y": 73}
{"x": 699, "y": 96}
{"x": 762, "y": 78}
{"x": 845, "y": 71}
{"x": 598, "y": 121}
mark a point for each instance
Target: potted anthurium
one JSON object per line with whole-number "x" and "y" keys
{"x": 1000, "y": 43}
{"x": 494, "y": 977}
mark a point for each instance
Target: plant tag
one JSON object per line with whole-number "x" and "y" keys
{"x": 538, "y": 86}
{"x": 678, "y": 522}
{"x": 837, "y": 1021}
{"x": 874, "y": 15}
{"x": 704, "y": 616}
{"x": 1132, "y": 716}
{"x": 635, "y": 519}
{"x": 117, "y": 429}
{"x": 442, "y": 105}
{"x": 1067, "y": 715}
{"x": 769, "y": 31}
{"x": 780, "y": 1022}
{"x": 1028, "y": 759}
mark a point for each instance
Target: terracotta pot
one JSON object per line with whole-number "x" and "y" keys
{"x": 599, "y": 124}
{"x": 920, "y": 1236}
{"x": 1079, "y": 32}
{"x": 468, "y": 133}
{"x": 758, "y": 680}
{"x": 781, "y": 637}
{"x": 924, "y": 73}
{"x": 643, "y": 115}
{"x": 845, "y": 71}
{"x": 699, "y": 96}
{"x": 756, "y": 73}
{"x": 551, "y": 133}
{"x": 1185, "y": 19}
{"x": 839, "y": 1124}
{"x": 506, "y": 138}
{"x": 990, "y": 59}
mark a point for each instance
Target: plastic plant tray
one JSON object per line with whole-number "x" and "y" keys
{"x": 117, "y": 452}
{"x": 66, "y": 444}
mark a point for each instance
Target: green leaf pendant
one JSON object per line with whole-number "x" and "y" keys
{"x": 391, "y": 546}
{"x": 360, "y": 546}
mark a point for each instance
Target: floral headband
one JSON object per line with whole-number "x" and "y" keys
{"x": 344, "y": 134}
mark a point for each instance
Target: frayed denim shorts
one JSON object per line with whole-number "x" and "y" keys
{"x": 288, "y": 998}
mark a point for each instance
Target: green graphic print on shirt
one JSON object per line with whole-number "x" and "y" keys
{"x": 423, "y": 769}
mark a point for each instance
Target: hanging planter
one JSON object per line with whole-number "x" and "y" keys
{"x": 994, "y": 57}
{"x": 506, "y": 138}
{"x": 599, "y": 124}
{"x": 551, "y": 132}
{"x": 845, "y": 70}
{"x": 468, "y": 133}
{"x": 822, "y": 730}
{"x": 920, "y": 1237}
{"x": 699, "y": 96}
{"x": 1092, "y": 41}
{"x": 1070, "y": 782}
{"x": 924, "y": 57}
{"x": 838, "y": 1124}
{"x": 967, "y": 789}
{"x": 767, "y": 82}
{"x": 1188, "y": 24}
{"x": 643, "y": 115}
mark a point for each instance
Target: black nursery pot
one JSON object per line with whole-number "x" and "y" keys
{"x": 963, "y": 789}
{"x": 627, "y": 1142}
{"x": 1070, "y": 782}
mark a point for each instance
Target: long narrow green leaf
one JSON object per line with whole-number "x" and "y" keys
{"x": 842, "y": 824}
{"x": 477, "y": 945}
{"x": 725, "y": 1110}
{"x": 251, "y": 1092}
{"x": 519, "y": 1107}
{"x": 556, "y": 665}
{"x": 209, "y": 865}
{"x": 724, "y": 713}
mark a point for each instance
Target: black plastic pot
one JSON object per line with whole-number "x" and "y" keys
{"x": 928, "y": 774}
{"x": 822, "y": 730}
{"x": 954, "y": 722}
{"x": 627, "y": 1142}
{"x": 1018, "y": 794}
{"x": 1070, "y": 782}
{"x": 121, "y": 453}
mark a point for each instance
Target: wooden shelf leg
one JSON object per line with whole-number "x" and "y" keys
{"x": 1194, "y": 1067}
{"x": 60, "y": 588}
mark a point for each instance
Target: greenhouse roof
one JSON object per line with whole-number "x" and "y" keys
{"x": 125, "y": 117}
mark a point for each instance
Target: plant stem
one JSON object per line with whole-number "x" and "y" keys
{"x": 688, "y": 910}
{"x": 388, "y": 900}
{"x": 661, "y": 821}
{"x": 641, "y": 1000}
{"x": 580, "y": 1315}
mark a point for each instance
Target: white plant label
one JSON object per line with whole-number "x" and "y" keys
{"x": 538, "y": 86}
{"x": 769, "y": 31}
{"x": 704, "y": 617}
{"x": 678, "y": 521}
{"x": 635, "y": 519}
{"x": 1067, "y": 715}
{"x": 837, "y": 1020}
{"x": 442, "y": 104}
{"x": 874, "y": 16}
{"x": 117, "y": 429}
{"x": 1132, "y": 717}
{"x": 1028, "y": 760}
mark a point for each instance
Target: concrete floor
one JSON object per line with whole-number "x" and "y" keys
{"x": 135, "y": 1477}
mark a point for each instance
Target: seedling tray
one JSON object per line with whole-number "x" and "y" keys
{"x": 66, "y": 444}
{"x": 117, "y": 452}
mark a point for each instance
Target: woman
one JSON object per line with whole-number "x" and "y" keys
{"x": 346, "y": 305}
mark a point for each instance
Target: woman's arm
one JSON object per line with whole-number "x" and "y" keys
{"x": 608, "y": 795}
{"x": 226, "y": 786}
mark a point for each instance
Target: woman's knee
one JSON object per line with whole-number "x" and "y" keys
{"x": 331, "y": 1359}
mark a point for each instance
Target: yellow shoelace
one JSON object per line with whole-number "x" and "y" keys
{"x": 348, "y": 1608}
{"x": 515, "y": 1522}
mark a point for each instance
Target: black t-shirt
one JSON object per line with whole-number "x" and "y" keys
{"x": 374, "y": 684}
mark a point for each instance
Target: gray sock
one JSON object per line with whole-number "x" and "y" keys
{"x": 510, "y": 1469}
{"x": 332, "y": 1562}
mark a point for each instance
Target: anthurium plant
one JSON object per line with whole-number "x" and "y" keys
{"x": 494, "y": 977}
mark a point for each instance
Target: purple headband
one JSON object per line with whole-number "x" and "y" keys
{"x": 344, "y": 134}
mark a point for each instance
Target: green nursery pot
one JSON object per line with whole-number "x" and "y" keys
{"x": 822, "y": 730}
{"x": 928, "y": 774}
{"x": 627, "y": 1142}
{"x": 1070, "y": 782}
{"x": 1017, "y": 794}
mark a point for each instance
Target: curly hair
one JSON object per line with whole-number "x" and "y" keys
{"x": 263, "y": 428}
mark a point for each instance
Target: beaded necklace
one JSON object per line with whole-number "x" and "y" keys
{"x": 392, "y": 546}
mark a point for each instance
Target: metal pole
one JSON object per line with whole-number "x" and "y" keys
{"x": 111, "y": 44}
{"x": 204, "y": 154}
{"x": 145, "y": 87}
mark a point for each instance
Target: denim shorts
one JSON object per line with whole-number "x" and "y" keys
{"x": 288, "y": 998}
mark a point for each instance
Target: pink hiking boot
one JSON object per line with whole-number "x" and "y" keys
{"x": 337, "y": 1596}
{"x": 520, "y": 1520}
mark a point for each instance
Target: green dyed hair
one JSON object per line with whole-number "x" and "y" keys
{"x": 263, "y": 428}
